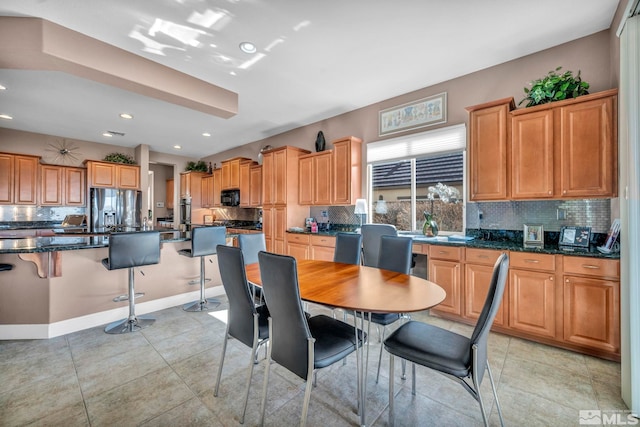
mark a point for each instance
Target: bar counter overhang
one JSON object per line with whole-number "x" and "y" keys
{"x": 58, "y": 284}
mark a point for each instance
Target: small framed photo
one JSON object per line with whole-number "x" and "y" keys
{"x": 533, "y": 235}
{"x": 575, "y": 237}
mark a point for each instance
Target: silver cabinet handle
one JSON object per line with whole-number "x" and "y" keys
{"x": 592, "y": 267}
{"x": 534, "y": 261}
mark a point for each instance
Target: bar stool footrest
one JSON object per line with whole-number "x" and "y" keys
{"x": 208, "y": 304}
{"x": 127, "y": 325}
{"x": 121, "y": 298}
{"x": 197, "y": 281}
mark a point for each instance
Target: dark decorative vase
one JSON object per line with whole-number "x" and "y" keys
{"x": 430, "y": 227}
{"x": 320, "y": 142}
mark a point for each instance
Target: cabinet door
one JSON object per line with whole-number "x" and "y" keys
{"x": 51, "y": 182}
{"x": 268, "y": 227}
{"x": 185, "y": 185}
{"x": 280, "y": 177}
{"x": 446, "y": 274}
{"x": 102, "y": 175}
{"x": 298, "y": 251}
{"x": 532, "y": 297}
{"x": 170, "y": 193}
{"x": 532, "y": 155}
{"x": 280, "y": 223}
{"x": 588, "y": 144}
{"x": 129, "y": 177}
{"x": 6, "y": 178}
{"x": 26, "y": 176}
{"x": 206, "y": 191}
{"x": 226, "y": 175}
{"x": 346, "y": 182}
{"x": 476, "y": 286}
{"x": 305, "y": 181}
{"x": 217, "y": 188}
{"x": 245, "y": 185}
{"x": 255, "y": 186}
{"x": 196, "y": 190}
{"x": 592, "y": 313}
{"x": 234, "y": 174}
{"x": 322, "y": 253}
{"x": 268, "y": 179}
{"x": 75, "y": 187}
{"x": 322, "y": 173}
{"x": 488, "y": 145}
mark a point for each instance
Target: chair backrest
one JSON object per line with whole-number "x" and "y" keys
{"x": 204, "y": 240}
{"x": 289, "y": 329}
{"x": 371, "y": 234}
{"x": 133, "y": 249}
{"x": 488, "y": 314}
{"x": 251, "y": 244}
{"x": 395, "y": 254}
{"x": 241, "y": 306}
{"x": 348, "y": 248}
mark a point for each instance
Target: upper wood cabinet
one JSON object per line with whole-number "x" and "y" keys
{"x": 217, "y": 188}
{"x": 255, "y": 186}
{"x": 170, "y": 193}
{"x": 280, "y": 175}
{"x": 206, "y": 191}
{"x": 62, "y": 186}
{"x": 113, "y": 175}
{"x": 245, "y": 183}
{"x": 18, "y": 179}
{"x": 315, "y": 179}
{"x": 347, "y": 171}
{"x": 231, "y": 173}
{"x": 489, "y": 134}
{"x": 191, "y": 187}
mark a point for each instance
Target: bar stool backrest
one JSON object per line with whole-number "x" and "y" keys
{"x": 204, "y": 240}
{"x": 251, "y": 244}
{"x": 133, "y": 249}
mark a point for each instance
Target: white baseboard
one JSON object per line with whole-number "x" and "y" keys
{"x": 52, "y": 330}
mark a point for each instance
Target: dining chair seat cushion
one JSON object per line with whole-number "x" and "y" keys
{"x": 263, "y": 321}
{"x": 334, "y": 340}
{"x": 431, "y": 346}
{"x": 383, "y": 319}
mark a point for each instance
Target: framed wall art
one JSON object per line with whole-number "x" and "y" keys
{"x": 413, "y": 115}
{"x": 574, "y": 237}
{"x": 533, "y": 236}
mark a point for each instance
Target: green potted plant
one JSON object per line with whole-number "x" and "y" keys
{"x": 555, "y": 87}
{"x": 198, "y": 166}
{"x": 119, "y": 158}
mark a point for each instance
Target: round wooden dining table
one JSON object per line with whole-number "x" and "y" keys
{"x": 362, "y": 290}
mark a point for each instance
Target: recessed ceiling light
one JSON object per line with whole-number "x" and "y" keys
{"x": 107, "y": 134}
{"x": 206, "y": 134}
{"x": 233, "y": 73}
{"x": 177, "y": 147}
{"x": 126, "y": 116}
{"x": 2, "y": 87}
{"x": 6, "y": 117}
{"x": 248, "y": 47}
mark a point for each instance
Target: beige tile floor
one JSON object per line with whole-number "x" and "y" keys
{"x": 165, "y": 375}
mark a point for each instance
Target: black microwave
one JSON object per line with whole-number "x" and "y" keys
{"x": 230, "y": 198}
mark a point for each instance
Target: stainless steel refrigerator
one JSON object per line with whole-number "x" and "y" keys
{"x": 114, "y": 210}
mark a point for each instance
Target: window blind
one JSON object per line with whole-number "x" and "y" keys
{"x": 442, "y": 140}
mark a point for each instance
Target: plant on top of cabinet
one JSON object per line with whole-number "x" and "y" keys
{"x": 555, "y": 87}
{"x": 198, "y": 166}
{"x": 119, "y": 158}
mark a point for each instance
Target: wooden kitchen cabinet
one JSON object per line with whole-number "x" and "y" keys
{"x": 445, "y": 269}
{"x": 216, "y": 188}
{"x": 592, "y": 303}
{"x": 315, "y": 178}
{"x": 18, "y": 179}
{"x": 113, "y": 175}
{"x": 298, "y": 246}
{"x": 170, "y": 193}
{"x": 206, "y": 191}
{"x": 273, "y": 225}
{"x": 532, "y": 156}
{"x": 62, "y": 186}
{"x": 191, "y": 187}
{"x": 535, "y": 299}
{"x": 346, "y": 171}
{"x": 321, "y": 247}
{"x": 245, "y": 183}
{"x": 489, "y": 135}
{"x": 6, "y": 178}
{"x": 255, "y": 186}
{"x": 477, "y": 278}
{"x": 231, "y": 173}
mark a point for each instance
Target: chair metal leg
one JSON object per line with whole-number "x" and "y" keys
{"x": 309, "y": 385}
{"x": 224, "y": 350}
{"x": 391, "y": 393}
{"x": 413, "y": 379}
{"x": 495, "y": 394}
{"x": 476, "y": 386}
{"x": 204, "y": 304}
{"x": 254, "y": 349}
{"x": 380, "y": 355}
{"x": 132, "y": 323}
{"x": 267, "y": 362}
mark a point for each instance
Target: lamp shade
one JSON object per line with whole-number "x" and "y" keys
{"x": 361, "y": 207}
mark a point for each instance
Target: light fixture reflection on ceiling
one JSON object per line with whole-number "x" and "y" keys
{"x": 248, "y": 47}
{"x": 6, "y": 117}
{"x": 177, "y": 147}
{"x": 206, "y": 134}
{"x": 252, "y": 61}
{"x": 126, "y": 116}
{"x": 107, "y": 134}
{"x": 2, "y": 87}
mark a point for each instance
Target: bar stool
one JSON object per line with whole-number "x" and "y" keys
{"x": 203, "y": 242}
{"x": 129, "y": 250}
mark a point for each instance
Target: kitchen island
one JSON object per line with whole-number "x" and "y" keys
{"x": 58, "y": 284}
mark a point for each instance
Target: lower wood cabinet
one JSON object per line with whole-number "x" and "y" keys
{"x": 445, "y": 269}
{"x": 298, "y": 246}
{"x": 477, "y": 277}
{"x": 322, "y": 248}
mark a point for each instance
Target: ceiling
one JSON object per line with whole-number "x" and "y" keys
{"x": 314, "y": 60}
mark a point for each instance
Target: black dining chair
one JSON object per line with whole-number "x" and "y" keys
{"x": 251, "y": 244}
{"x": 246, "y": 322}
{"x": 348, "y": 248}
{"x": 371, "y": 234}
{"x": 395, "y": 255}
{"x": 455, "y": 356}
{"x": 299, "y": 343}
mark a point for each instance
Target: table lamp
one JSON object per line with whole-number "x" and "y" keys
{"x": 361, "y": 208}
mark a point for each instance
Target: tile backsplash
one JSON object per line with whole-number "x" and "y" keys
{"x": 19, "y": 213}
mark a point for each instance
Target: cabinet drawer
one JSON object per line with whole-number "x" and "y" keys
{"x": 298, "y": 238}
{"x": 328, "y": 241}
{"x": 445, "y": 252}
{"x": 529, "y": 261}
{"x": 419, "y": 248}
{"x": 482, "y": 256}
{"x": 592, "y": 266}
